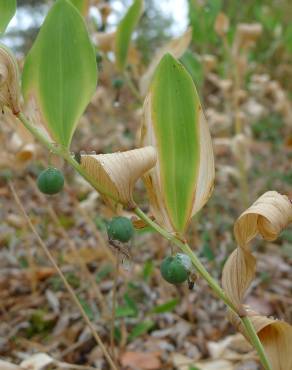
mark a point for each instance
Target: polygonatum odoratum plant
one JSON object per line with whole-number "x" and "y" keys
{"x": 174, "y": 156}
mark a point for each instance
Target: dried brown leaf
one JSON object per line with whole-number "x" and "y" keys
{"x": 105, "y": 41}
{"x": 141, "y": 360}
{"x": 4, "y": 365}
{"x": 221, "y": 25}
{"x": 246, "y": 36}
{"x": 37, "y": 361}
{"x": 9, "y": 81}
{"x": 268, "y": 216}
{"x": 118, "y": 172}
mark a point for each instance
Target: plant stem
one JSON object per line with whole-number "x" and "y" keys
{"x": 61, "y": 152}
{"x": 213, "y": 285}
{"x": 132, "y": 87}
{"x": 256, "y": 342}
{"x": 196, "y": 262}
{"x": 63, "y": 278}
{"x": 167, "y": 235}
{"x": 114, "y": 303}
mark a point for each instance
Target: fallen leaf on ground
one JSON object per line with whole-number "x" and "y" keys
{"x": 141, "y": 360}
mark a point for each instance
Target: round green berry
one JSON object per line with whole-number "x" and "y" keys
{"x": 176, "y": 269}
{"x": 50, "y": 181}
{"x": 121, "y": 229}
{"x": 117, "y": 83}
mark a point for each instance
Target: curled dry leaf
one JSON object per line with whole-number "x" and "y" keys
{"x": 268, "y": 216}
{"x": 9, "y": 81}
{"x": 176, "y": 47}
{"x": 105, "y": 41}
{"x": 118, "y": 172}
{"x": 221, "y": 24}
{"x": 209, "y": 62}
{"x": 246, "y": 36}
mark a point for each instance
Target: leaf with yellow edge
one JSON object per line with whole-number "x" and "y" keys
{"x": 118, "y": 172}
{"x": 60, "y": 72}
{"x": 9, "y": 81}
{"x": 173, "y": 122}
{"x": 268, "y": 216}
{"x": 175, "y": 47}
{"x": 124, "y": 33}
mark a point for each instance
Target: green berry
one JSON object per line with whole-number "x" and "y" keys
{"x": 121, "y": 229}
{"x": 117, "y": 83}
{"x": 50, "y": 181}
{"x": 176, "y": 269}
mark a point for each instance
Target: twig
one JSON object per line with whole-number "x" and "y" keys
{"x": 32, "y": 267}
{"x": 93, "y": 228}
{"x": 72, "y": 247}
{"x": 114, "y": 301}
{"x": 245, "y": 320}
{"x": 65, "y": 282}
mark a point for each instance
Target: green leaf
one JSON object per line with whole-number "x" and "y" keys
{"x": 182, "y": 180}
{"x": 81, "y": 5}
{"x": 140, "y": 329}
{"x": 131, "y": 303}
{"x": 202, "y": 18}
{"x": 125, "y": 311}
{"x": 148, "y": 270}
{"x": 166, "y": 307}
{"x": 7, "y": 11}
{"x": 60, "y": 71}
{"x": 103, "y": 272}
{"x": 124, "y": 33}
{"x": 174, "y": 107}
{"x": 86, "y": 308}
{"x": 193, "y": 66}
{"x": 206, "y": 249}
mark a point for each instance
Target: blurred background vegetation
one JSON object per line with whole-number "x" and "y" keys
{"x": 159, "y": 23}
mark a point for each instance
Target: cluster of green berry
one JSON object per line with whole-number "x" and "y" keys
{"x": 174, "y": 269}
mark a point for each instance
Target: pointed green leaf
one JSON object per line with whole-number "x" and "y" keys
{"x": 60, "y": 71}
{"x": 175, "y": 107}
{"x": 182, "y": 180}
{"x": 166, "y": 307}
{"x": 7, "y": 11}
{"x": 194, "y": 67}
{"x": 140, "y": 329}
{"x": 124, "y": 33}
{"x": 81, "y": 5}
